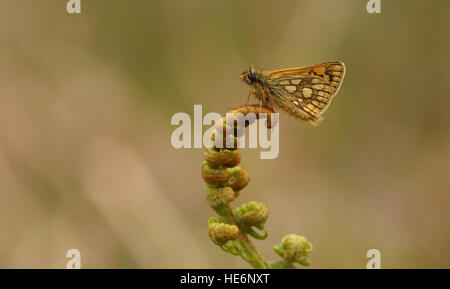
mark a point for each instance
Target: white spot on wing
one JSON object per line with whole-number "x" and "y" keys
{"x": 307, "y": 92}
{"x": 296, "y": 81}
{"x": 290, "y": 88}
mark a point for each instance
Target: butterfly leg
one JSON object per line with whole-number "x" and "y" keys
{"x": 260, "y": 104}
{"x": 272, "y": 105}
{"x": 268, "y": 103}
{"x": 250, "y": 92}
{"x": 248, "y": 97}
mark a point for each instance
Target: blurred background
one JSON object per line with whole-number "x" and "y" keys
{"x": 86, "y": 102}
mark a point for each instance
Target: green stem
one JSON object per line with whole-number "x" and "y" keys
{"x": 286, "y": 265}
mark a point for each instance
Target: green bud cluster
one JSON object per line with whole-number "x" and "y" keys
{"x": 294, "y": 249}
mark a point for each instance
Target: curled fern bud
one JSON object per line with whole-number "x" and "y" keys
{"x": 294, "y": 249}
{"x": 220, "y": 233}
{"x": 223, "y": 157}
{"x": 228, "y": 126}
{"x": 228, "y": 141}
{"x": 258, "y": 110}
{"x": 213, "y": 175}
{"x": 253, "y": 213}
{"x": 238, "y": 179}
{"x": 219, "y": 198}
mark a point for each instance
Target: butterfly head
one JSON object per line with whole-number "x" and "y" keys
{"x": 249, "y": 75}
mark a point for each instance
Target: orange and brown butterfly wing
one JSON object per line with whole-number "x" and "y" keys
{"x": 332, "y": 71}
{"x": 306, "y": 92}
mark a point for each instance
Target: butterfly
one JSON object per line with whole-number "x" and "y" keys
{"x": 304, "y": 92}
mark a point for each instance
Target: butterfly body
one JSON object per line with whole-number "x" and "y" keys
{"x": 303, "y": 92}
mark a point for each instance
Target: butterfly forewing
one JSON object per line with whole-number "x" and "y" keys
{"x": 306, "y": 92}
{"x": 332, "y": 71}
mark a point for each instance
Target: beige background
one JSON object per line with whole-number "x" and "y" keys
{"x": 85, "y": 108}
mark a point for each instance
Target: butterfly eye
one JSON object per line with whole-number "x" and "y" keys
{"x": 249, "y": 75}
